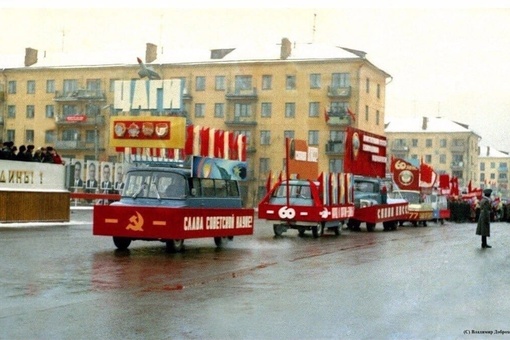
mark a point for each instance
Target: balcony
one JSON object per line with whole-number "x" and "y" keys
{"x": 457, "y": 166}
{"x": 338, "y": 118}
{"x": 460, "y": 148}
{"x": 339, "y": 92}
{"x": 81, "y": 120}
{"x": 241, "y": 121}
{"x": 242, "y": 94}
{"x": 78, "y": 145}
{"x": 335, "y": 148}
{"x": 80, "y": 95}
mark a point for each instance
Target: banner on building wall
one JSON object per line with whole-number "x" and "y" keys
{"x": 365, "y": 153}
{"x": 147, "y": 132}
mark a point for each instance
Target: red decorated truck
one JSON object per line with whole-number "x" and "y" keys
{"x": 193, "y": 194}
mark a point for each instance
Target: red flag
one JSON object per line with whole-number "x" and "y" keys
{"x": 351, "y": 114}
{"x": 218, "y": 143}
{"x": 470, "y": 188}
{"x": 204, "y": 142}
{"x": 188, "y": 146}
{"x": 268, "y": 182}
{"x": 326, "y": 116}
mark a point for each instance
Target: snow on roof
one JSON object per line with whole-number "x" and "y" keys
{"x": 424, "y": 124}
{"x": 487, "y": 151}
{"x": 253, "y": 52}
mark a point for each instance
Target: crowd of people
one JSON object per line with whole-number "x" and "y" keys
{"x": 28, "y": 153}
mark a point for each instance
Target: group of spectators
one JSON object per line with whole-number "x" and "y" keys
{"x": 27, "y": 153}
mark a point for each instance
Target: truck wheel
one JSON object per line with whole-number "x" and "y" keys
{"x": 301, "y": 231}
{"x": 174, "y": 246}
{"x": 122, "y": 243}
{"x": 338, "y": 230}
{"x": 354, "y": 225}
{"x": 370, "y": 226}
{"x": 219, "y": 241}
{"x": 390, "y": 225}
{"x": 278, "y": 229}
{"x": 318, "y": 230}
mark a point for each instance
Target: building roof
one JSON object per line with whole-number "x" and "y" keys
{"x": 243, "y": 53}
{"x": 487, "y": 151}
{"x": 424, "y": 125}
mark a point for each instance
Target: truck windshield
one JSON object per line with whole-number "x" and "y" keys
{"x": 301, "y": 191}
{"x": 155, "y": 185}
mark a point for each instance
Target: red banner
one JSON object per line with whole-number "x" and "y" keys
{"x": 365, "y": 153}
{"x": 405, "y": 175}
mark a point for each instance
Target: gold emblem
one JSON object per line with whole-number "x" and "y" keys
{"x": 120, "y": 129}
{"x": 147, "y": 129}
{"x": 136, "y": 222}
{"x": 161, "y": 129}
{"x": 133, "y": 130}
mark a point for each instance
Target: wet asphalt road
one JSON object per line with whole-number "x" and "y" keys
{"x": 60, "y": 282}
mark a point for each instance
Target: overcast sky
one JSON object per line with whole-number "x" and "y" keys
{"x": 451, "y": 62}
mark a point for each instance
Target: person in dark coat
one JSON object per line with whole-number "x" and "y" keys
{"x": 483, "y": 228}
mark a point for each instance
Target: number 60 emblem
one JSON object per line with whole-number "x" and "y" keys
{"x": 286, "y": 212}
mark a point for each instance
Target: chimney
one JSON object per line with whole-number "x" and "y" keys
{"x": 30, "y": 56}
{"x": 285, "y": 49}
{"x": 151, "y": 53}
{"x": 488, "y": 151}
{"x": 424, "y": 123}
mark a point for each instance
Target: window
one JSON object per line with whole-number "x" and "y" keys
{"x": 313, "y": 137}
{"x": 442, "y": 159}
{"x": 11, "y": 111}
{"x": 247, "y": 133}
{"x": 493, "y": 176}
{"x": 502, "y": 176}
{"x": 377, "y": 117}
{"x": 219, "y": 110}
{"x": 242, "y": 110}
{"x": 266, "y": 110}
{"x": 290, "y": 82}
{"x": 336, "y": 136}
{"x": 313, "y": 109}
{"x": 29, "y": 136}
{"x": 50, "y": 111}
{"x": 219, "y": 83}
{"x": 428, "y": 159}
{"x": 70, "y": 135}
{"x": 442, "y": 143}
{"x": 112, "y": 84}
{"x": 11, "y": 135}
{"x": 30, "y": 111}
{"x": 493, "y": 165}
{"x": 50, "y": 86}
{"x": 200, "y": 83}
{"x": 264, "y": 165}
{"x": 428, "y": 143}
{"x": 69, "y": 110}
{"x": 340, "y": 80}
{"x": 265, "y": 137}
{"x": 378, "y": 90}
{"x": 94, "y": 84}
{"x": 315, "y": 81}
{"x": 267, "y": 82}
{"x": 336, "y": 165}
{"x": 90, "y": 136}
{"x": 49, "y": 136}
{"x": 367, "y": 85}
{"x": 290, "y": 110}
{"x": 366, "y": 113}
{"x": 243, "y": 83}
{"x": 199, "y": 110}
{"x": 70, "y": 85}
{"x": 482, "y": 166}
{"x": 30, "y": 86}
{"x": 414, "y": 142}
{"x": 288, "y": 134}
{"x": 11, "y": 87}
{"x": 338, "y": 109}
{"x": 482, "y": 177}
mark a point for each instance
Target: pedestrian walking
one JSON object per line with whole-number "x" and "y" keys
{"x": 483, "y": 227}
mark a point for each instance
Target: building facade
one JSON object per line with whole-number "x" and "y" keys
{"x": 449, "y": 147}
{"x": 493, "y": 169}
{"x": 302, "y": 91}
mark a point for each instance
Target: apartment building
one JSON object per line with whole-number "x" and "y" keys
{"x": 493, "y": 169}
{"x": 449, "y": 147}
{"x": 303, "y": 91}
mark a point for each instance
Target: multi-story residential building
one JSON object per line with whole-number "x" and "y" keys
{"x": 493, "y": 168}
{"x": 304, "y": 91}
{"x": 449, "y": 147}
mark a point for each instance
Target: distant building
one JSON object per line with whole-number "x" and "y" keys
{"x": 304, "y": 91}
{"x": 493, "y": 169}
{"x": 449, "y": 147}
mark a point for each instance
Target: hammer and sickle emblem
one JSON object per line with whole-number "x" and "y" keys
{"x": 136, "y": 222}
